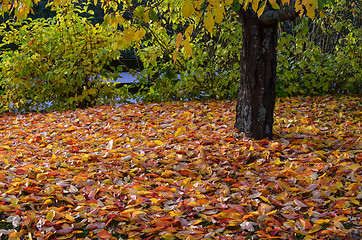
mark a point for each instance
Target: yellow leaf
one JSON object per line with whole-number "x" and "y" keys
{"x": 92, "y": 91}
{"x": 147, "y": 16}
{"x": 69, "y": 217}
{"x": 168, "y": 236}
{"x": 41, "y": 176}
{"x": 14, "y": 201}
{"x": 118, "y": 19}
{"x": 218, "y": 14}
{"x": 48, "y": 202}
{"x": 339, "y": 185}
{"x": 341, "y": 218}
{"x": 158, "y": 142}
{"x": 245, "y": 2}
{"x": 187, "y": 9}
{"x": 128, "y": 35}
{"x": 155, "y": 201}
{"x": 264, "y": 199}
{"x": 198, "y": 3}
{"x": 274, "y": 4}
{"x": 299, "y": 8}
{"x": 310, "y": 11}
{"x": 209, "y": 22}
{"x": 277, "y": 162}
{"x": 235, "y": 215}
{"x": 167, "y": 173}
{"x": 261, "y": 10}
{"x": 5, "y": 147}
{"x": 293, "y": 189}
{"x": 50, "y": 215}
{"x": 6, "y": 161}
{"x": 187, "y": 47}
{"x": 143, "y": 193}
{"x": 229, "y": 2}
{"x": 128, "y": 211}
{"x": 355, "y": 202}
{"x": 321, "y": 221}
{"x": 15, "y": 235}
{"x": 272, "y": 212}
{"x": 56, "y": 2}
{"x": 179, "y": 131}
{"x": 285, "y": 1}
{"x": 49, "y": 146}
{"x": 255, "y": 5}
{"x": 107, "y": 182}
{"x": 139, "y": 34}
{"x": 315, "y": 228}
{"x": 189, "y": 30}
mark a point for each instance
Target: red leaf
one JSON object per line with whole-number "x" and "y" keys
{"x": 37, "y": 139}
{"x": 206, "y": 142}
{"x": 229, "y": 180}
{"x": 74, "y": 149}
{"x": 65, "y": 231}
{"x": 290, "y": 216}
{"x": 20, "y": 171}
{"x": 186, "y": 173}
{"x": 31, "y": 190}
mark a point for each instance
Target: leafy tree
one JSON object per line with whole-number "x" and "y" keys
{"x": 211, "y": 72}
{"x": 260, "y": 18}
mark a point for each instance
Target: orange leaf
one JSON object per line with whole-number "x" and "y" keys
{"x": 230, "y": 139}
{"x": 103, "y": 234}
{"x": 137, "y": 213}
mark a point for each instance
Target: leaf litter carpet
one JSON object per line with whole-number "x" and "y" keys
{"x": 179, "y": 170}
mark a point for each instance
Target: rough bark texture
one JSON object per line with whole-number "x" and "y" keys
{"x": 272, "y": 17}
{"x": 256, "y": 93}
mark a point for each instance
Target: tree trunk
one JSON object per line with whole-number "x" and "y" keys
{"x": 256, "y": 93}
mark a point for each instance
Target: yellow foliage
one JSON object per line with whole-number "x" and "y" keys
{"x": 219, "y": 14}
{"x": 274, "y": 4}
{"x": 209, "y": 22}
{"x": 189, "y": 30}
{"x": 187, "y": 9}
{"x": 187, "y": 46}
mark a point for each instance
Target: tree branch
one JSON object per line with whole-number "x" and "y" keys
{"x": 272, "y": 17}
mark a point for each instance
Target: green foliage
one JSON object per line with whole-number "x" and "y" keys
{"x": 323, "y": 56}
{"x": 171, "y": 74}
{"x": 60, "y": 61}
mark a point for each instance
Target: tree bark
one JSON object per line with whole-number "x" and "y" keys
{"x": 256, "y": 93}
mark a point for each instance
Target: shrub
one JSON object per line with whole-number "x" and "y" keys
{"x": 322, "y": 56}
{"x": 59, "y": 61}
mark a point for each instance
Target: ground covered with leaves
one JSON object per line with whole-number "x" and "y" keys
{"x": 178, "y": 170}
